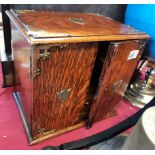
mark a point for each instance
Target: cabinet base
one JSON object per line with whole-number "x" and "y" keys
{"x": 48, "y": 135}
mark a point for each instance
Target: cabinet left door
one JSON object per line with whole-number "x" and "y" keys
{"x": 61, "y": 78}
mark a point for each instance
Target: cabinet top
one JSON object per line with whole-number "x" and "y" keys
{"x": 62, "y": 27}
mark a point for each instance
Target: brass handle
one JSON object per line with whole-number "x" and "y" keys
{"x": 77, "y": 20}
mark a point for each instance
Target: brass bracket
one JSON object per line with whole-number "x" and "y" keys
{"x": 43, "y": 53}
{"x": 38, "y": 129}
{"x": 41, "y": 131}
{"x": 20, "y": 12}
{"x": 142, "y": 44}
{"x": 36, "y": 72}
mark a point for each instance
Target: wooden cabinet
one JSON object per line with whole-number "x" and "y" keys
{"x": 71, "y": 69}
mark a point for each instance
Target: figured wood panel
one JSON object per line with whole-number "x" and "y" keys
{"x": 45, "y": 27}
{"x": 63, "y": 24}
{"x": 68, "y": 67}
{"x": 115, "y": 77}
{"x": 21, "y": 56}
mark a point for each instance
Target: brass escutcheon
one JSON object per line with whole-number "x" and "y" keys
{"x": 63, "y": 94}
{"x": 117, "y": 85}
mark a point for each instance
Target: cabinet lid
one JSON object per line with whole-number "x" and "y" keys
{"x": 49, "y": 25}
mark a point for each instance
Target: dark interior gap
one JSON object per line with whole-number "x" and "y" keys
{"x": 95, "y": 79}
{"x": 99, "y": 62}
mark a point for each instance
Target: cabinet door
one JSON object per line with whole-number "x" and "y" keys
{"x": 61, "y": 85}
{"x": 118, "y": 68}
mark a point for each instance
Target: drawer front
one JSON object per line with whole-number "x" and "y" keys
{"x": 61, "y": 76}
{"x": 118, "y": 68}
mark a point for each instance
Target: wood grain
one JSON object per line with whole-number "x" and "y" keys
{"x": 55, "y": 27}
{"x": 116, "y": 68}
{"x": 68, "y": 67}
{"x": 58, "y": 24}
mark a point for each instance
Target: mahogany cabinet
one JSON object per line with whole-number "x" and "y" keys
{"x": 71, "y": 69}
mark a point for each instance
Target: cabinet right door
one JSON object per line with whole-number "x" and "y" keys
{"x": 119, "y": 65}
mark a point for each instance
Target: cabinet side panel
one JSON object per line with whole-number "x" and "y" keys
{"x": 21, "y": 56}
{"x": 67, "y": 68}
{"x": 119, "y": 66}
